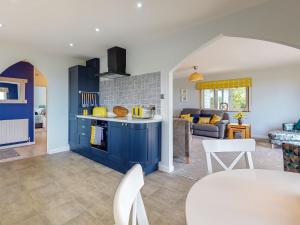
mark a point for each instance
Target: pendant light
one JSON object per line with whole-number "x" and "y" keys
{"x": 195, "y": 76}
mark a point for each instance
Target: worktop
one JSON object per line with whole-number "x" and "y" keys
{"x": 122, "y": 119}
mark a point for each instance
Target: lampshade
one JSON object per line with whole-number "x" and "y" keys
{"x": 195, "y": 76}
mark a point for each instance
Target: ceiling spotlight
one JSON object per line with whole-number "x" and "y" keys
{"x": 1, "y": 25}
{"x": 71, "y": 45}
{"x": 139, "y": 5}
{"x": 97, "y": 29}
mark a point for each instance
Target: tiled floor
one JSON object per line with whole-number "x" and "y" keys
{"x": 39, "y": 148}
{"x": 68, "y": 189}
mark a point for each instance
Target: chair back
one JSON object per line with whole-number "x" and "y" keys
{"x": 244, "y": 146}
{"x": 128, "y": 199}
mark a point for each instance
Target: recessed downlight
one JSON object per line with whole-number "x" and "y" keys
{"x": 1, "y": 25}
{"x": 97, "y": 29}
{"x": 71, "y": 44}
{"x": 139, "y": 5}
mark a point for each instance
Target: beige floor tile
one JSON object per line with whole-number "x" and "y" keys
{"x": 68, "y": 189}
{"x": 63, "y": 213}
{"x": 36, "y": 220}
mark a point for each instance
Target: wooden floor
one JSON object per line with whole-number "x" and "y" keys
{"x": 39, "y": 148}
{"x": 68, "y": 189}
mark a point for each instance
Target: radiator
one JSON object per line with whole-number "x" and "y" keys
{"x": 12, "y": 131}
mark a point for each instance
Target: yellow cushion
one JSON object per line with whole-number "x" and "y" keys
{"x": 187, "y": 117}
{"x": 215, "y": 119}
{"x": 204, "y": 120}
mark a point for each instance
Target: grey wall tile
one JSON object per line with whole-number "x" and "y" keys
{"x": 130, "y": 91}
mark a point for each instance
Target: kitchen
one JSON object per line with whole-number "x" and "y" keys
{"x": 114, "y": 118}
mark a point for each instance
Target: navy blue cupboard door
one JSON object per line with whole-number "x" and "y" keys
{"x": 118, "y": 136}
{"x": 84, "y": 132}
{"x": 73, "y": 138}
{"x": 138, "y": 144}
{"x": 154, "y": 143}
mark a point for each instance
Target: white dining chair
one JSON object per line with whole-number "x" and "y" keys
{"x": 128, "y": 199}
{"x": 244, "y": 146}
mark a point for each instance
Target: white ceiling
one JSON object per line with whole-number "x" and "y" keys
{"x": 229, "y": 54}
{"x": 52, "y": 25}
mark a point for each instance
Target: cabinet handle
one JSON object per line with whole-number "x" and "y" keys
{"x": 126, "y": 124}
{"x": 83, "y": 134}
{"x": 83, "y": 126}
{"x": 122, "y": 124}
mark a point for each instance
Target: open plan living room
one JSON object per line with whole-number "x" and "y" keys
{"x": 247, "y": 88}
{"x": 149, "y": 112}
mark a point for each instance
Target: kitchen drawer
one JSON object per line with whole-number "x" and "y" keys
{"x": 84, "y": 125}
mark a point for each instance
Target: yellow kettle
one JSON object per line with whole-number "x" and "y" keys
{"x": 100, "y": 111}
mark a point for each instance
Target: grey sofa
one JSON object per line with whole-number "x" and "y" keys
{"x": 216, "y": 131}
{"x": 182, "y": 138}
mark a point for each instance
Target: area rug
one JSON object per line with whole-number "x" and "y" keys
{"x": 8, "y": 153}
{"x": 263, "y": 158}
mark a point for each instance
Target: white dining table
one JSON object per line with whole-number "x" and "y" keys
{"x": 245, "y": 197}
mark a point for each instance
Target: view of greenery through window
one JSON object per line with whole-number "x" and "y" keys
{"x": 235, "y": 98}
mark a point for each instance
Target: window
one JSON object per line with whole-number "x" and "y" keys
{"x": 237, "y": 99}
{"x": 3, "y": 93}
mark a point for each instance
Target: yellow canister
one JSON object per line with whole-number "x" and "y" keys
{"x": 85, "y": 112}
{"x": 100, "y": 111}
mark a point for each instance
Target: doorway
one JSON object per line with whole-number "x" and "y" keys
{"x": 39, "y": 145}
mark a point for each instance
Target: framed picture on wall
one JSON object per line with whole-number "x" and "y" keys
{"x": 183, "y": 95}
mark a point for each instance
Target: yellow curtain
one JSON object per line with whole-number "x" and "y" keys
{"x": 235, "y": 83}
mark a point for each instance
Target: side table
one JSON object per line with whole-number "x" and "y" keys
{"x": 235, "y": 130}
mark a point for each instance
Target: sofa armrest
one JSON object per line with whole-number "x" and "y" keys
{"x": 222, "y": 128}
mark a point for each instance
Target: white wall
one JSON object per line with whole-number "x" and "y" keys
{"x": 275, "y": 96}
{"x": 193, "y": 95}
{"x": 40, "y": 97}
{"x": 55, "y": 68}
{"x": 275, "y": 20}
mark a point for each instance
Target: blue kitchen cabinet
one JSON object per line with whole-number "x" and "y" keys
{"x": 127, "y": 143}
{"x": 81, "y": 78}
{"x": 131, "y": 143}
{"x": 84, "y": 133}
{"x": 118, "y": 142}
{"x": 144, "y": 146}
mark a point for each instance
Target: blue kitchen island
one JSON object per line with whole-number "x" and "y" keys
{"x": 126, "y": 142}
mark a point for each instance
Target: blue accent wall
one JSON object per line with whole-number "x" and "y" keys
{"x": 23, "y": 70}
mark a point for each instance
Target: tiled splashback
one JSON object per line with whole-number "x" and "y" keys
{"x": 131, "y": 91}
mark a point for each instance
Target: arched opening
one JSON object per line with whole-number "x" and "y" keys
{"x": 270, "y": 66}
{"x": 40, "y": 111}
{"x": 23, "y": 112}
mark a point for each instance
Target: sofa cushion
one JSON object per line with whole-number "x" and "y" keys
{"x": 284, "y": 135}
{"x": 186, "y": 117}
{"x": 297, "y": 126}
{"x": 215, "y": 119}
{"x": 195, "y": 118}
{"x": 204, "y": 120}
{"x": 190, "y": 111}
{"x": 206, "y": 127}
{"x": 210, "y": 112}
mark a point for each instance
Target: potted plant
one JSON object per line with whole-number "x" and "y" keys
{"x": 240, "y": 116}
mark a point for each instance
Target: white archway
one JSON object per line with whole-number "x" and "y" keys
{"x": 177, "y": 66}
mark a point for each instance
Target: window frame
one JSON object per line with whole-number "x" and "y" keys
{"x": 248, "y": 100}
{"x": 4, "y": 91}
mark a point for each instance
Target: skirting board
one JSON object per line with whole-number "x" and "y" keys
{"x": 166, "y": 169}
{"x": 17, "y": 145}
{"x": 58, "y": 150}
